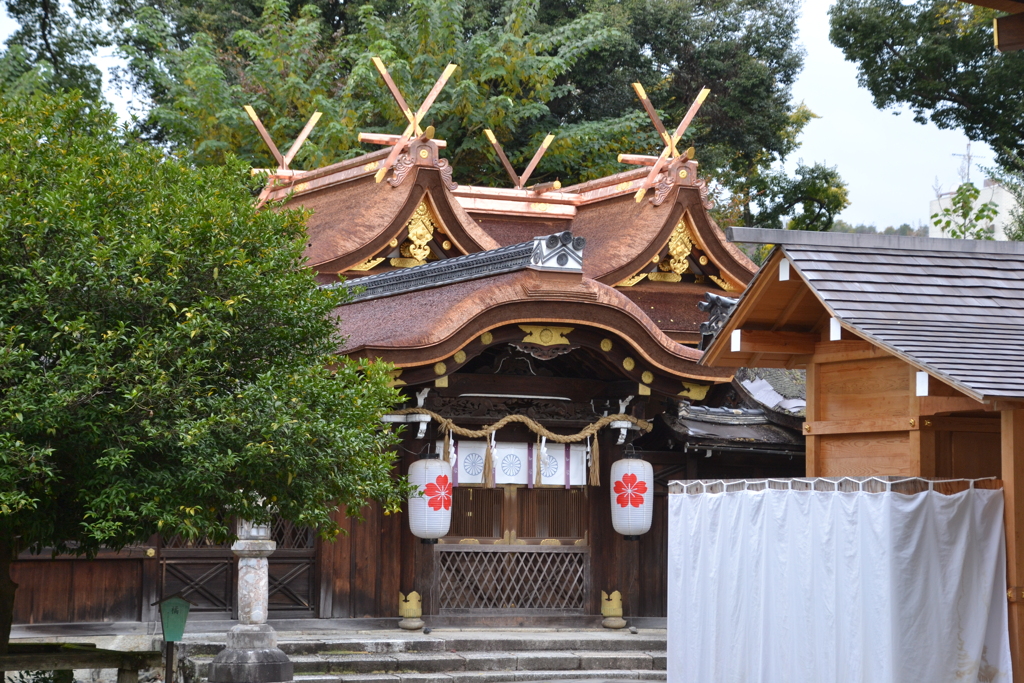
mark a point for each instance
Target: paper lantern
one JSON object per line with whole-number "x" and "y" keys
{"x": 632, "y": 497}
{"x": 430, "y": 514}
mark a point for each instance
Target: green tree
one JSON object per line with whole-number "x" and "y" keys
{"x": 61, "y": 38}
{"x": 286, "y": 69}
{"x": 166, "y": 360}
{"x": 964, "y": 218}
{"x": 937, "y": 58}
{"x": 1011, "y": 177}
{"x": 810, "y": 200}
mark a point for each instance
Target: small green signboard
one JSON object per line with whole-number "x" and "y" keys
{"x": 173, "y": 614}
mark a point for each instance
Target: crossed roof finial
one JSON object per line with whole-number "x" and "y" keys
{"x": 413, "y": 128}
{"x": 519, "y": 181}
{"x": 670, "y": 151}
{"x": 283, "y": 161}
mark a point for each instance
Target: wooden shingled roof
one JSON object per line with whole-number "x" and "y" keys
{"x": 953, "y": 308}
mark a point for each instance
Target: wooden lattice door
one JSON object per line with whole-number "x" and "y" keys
{"x": 206, "y": 574}
{"x": 514, "y": 550}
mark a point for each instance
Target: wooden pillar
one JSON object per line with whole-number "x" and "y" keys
{"x": 811, "y": 415}
{"x": 922, "y": 441}
{"x": 1013, "y": 476}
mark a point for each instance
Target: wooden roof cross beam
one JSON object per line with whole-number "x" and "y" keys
{"x": 413, "y": 128}
{"x": 517, "y": 180}
{"x": 670, "y": 151}
{"x": 289, "y": 156}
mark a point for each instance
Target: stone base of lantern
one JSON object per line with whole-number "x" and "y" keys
{"x": 251, "y": 656}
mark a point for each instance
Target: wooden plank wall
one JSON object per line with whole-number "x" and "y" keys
{"x": 863, "y": 390}
{"x": 72, "y": 590}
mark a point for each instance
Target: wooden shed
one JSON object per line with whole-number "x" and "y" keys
{"x": 913, "y": 351}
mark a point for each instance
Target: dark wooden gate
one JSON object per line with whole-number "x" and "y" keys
{"x": 206, "y": 574}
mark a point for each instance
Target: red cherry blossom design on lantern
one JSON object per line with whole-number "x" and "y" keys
{"x": 439, "y": 495}
{"x": 630, "y": 491}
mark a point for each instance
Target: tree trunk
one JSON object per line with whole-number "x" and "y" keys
{"x": 8, "y": 551}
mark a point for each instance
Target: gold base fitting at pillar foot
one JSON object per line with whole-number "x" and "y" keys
{"x": 614, "y": 622}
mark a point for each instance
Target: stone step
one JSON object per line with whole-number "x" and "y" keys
{"x": 211, "y": 644}
{"x": 491, "y": 676}
{"x": 445, "y": 662}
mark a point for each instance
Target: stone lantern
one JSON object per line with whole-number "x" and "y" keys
{"x": 252, "y": 655}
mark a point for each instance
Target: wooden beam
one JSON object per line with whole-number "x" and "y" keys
{"x": 1008, "y": 6}
{"x": 1013, "y": 518}
{"x": 847, "y": 349}
{"x": 388, "y": 139}
{"x": 766, "y": 341}
{"x": 1009, "y": 33}
{"x": 945, "y": 423}
{"x": 932, "y": 405}
{"x": 861, "y": 426}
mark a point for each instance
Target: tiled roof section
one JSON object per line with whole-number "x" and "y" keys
{"x": 561, "y": 252}
{"x": 961, "y": 315}
{"x": 954, "y": 307}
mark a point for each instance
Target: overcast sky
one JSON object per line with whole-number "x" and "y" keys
{"x": 890, "y": 162}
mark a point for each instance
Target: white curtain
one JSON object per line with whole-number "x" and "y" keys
{"x": 815, "y": 587}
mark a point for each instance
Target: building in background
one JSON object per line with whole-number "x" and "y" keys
{"x": 991, "y": 191}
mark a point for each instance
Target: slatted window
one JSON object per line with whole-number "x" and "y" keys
{"x": 552, "y": 513}
{"x": 476, "y": 512}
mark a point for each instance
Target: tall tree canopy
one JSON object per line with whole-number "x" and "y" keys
{"x": 526, "y": 68}
{"x": 937, "y": 58}
{"x": 166, "y": 360}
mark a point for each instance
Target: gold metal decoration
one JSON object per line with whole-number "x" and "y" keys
{"x": 628, "y": 363}
{"x": 703, "y": 260}
{"x": 611, "y": 605}
{"x": 664, "y": 277}
{"x": 643, "y": 390}
{"x": 393, "y": 243}
{"x": 647, "y": 377}
{"x": 410, "y": 606}
{"x": 460, "y": 356}
{"x": 406, "y": 262}
{"x": 630, "y": 281}
{"x": 421, "y": 228}
{"x": 440, "y": 368}
{"x": 424, "y": 153}
{"x": 441, "y": 382}
{"x": 696, "y": 392}
{"x": 722, "y": 283}
{"x": 486, "y": 338}
{"x": 372, "y": 166}
{"x": 368, "y": 264}
{"x": 606, "y": 345}
{"x": 446, "y": 245}
{"x": 395, "y": 381}
{"x": 680, "y": 244}
{"x": 544, "y": 335}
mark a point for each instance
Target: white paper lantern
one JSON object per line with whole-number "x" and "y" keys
{"x": 632, "y": 492}
{"x": 430, "y": 515}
